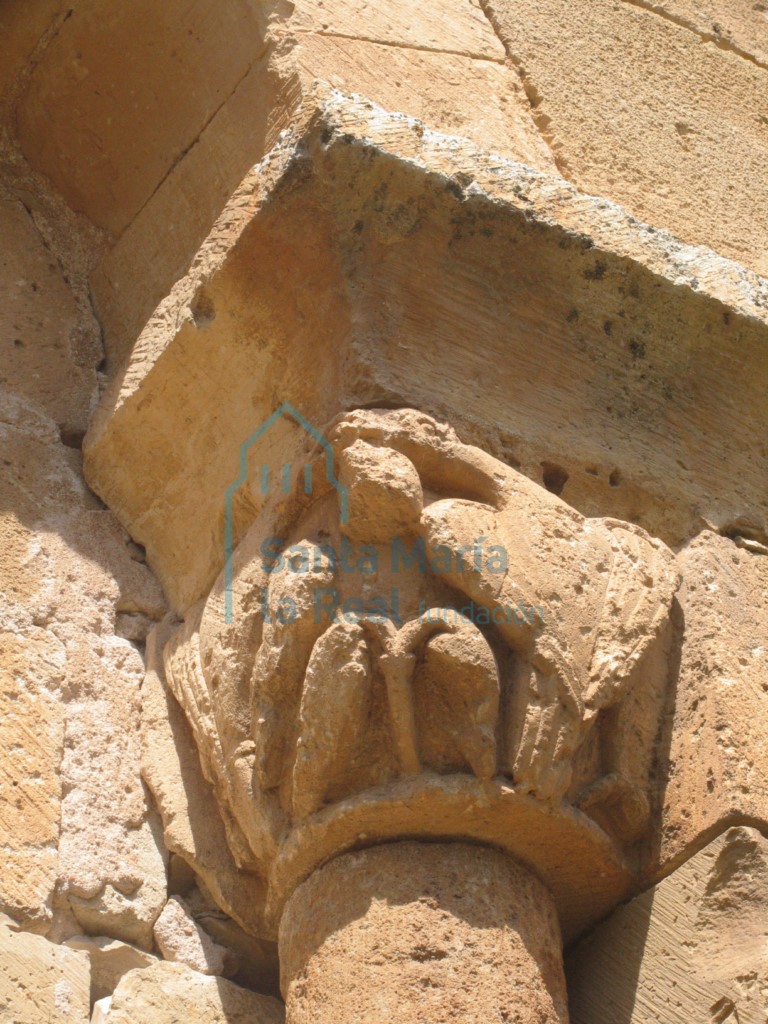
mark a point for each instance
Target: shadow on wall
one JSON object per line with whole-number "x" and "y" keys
{"x": 623, "y": 936}
{"x": 617, "y": 1001}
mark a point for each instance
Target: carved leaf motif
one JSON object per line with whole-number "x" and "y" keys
{"x": 250, "y": 833}
{"x": 281, "y": 709}
{"x": 280, "y": 663}
{"x": 464, "y": 667}
{"x": 333, "y": 713}
{"x": 641, "y": 586}
{"x": 188, "y": 684}
{"x": 545, "y": 722}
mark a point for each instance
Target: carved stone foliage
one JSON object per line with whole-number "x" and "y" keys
{"x": 455, "y": 625}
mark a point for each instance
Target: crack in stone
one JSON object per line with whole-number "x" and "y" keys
{"x": 401, "y": 46}
{"x": 68, "y": 238}
{"x": 25, "y": 72}
{"x": 541, "y": 121}
{"x": 720, "y": 41}
{"x": 190, "y": 145}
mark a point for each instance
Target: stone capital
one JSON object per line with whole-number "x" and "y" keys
{"x": 490, "y": 666}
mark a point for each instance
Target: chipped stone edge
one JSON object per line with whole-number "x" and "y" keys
{"x": 327, "y": 116}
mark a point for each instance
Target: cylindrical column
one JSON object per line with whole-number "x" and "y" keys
{"x": 415, "y": 933}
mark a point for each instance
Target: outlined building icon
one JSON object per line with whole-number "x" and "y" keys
{"x": 285, "y": 477}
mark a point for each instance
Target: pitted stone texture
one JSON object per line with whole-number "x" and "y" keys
{"x": 111, "y": 856}
{"x": 740, "y": 26}
{"x": 48, "y": 354}
{"x": 75, "y": 825}
{"x": 110, "y": 959}
{"x": 422, "y": 932}
{"x": 180, "y": 939}
{"x": 193, "y": 827}
{"x": 682, "y": 156}
{"x": 444, "y": 252}
{"x": 714, "y": 748}
{"x": 41, "y": 983}
{"x": 534, "y": 734}
{"x": 694, "y": 948}
{"x": 70, "y": 697}
{"x": 32, "y": 667}
{"x": 174, "y": 994}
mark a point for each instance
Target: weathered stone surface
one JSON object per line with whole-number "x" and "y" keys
{"x": 105, "y": 119}
{"x": 174, "y": 994}
{"x": 422, "y": 932}
{"x": 368, "y": 262}
{"x": 41, "y": 982}
{"x": 94, "y": 115}
{"x": 448, "y": 70}
{"x": 457, "y": 28}
{"x": 71, "y": 692}
{"x": 456, "y": 93}
{"x": 109, "y": 960}
{"x": 531, "y": 732}
{"x": 31, "y": 738}
{"x": 192, "y": 819}
{"x": 40, "y": 327}
{"x": 143, "y": 264}
{"x": 180, "y": 939}
{"x": 32, "y": 670}
{"x": 683, "y": 155}
{"x": 741, "y": 27}
{"x": 442, "y": 253}
{"x": 256, "y": 959}
{"x": 21, "y": 28}
{"x": 714, "y": 751}
{"x": 76, "y": 827}
{"x": 694, "y": 948}
{"x": 111, "y": 857}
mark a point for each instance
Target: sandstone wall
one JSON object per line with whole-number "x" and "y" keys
{"x": 691, "y": 948}
{"x": 660, "y": 107}
{"x": 125, "y": 131}
{"x": 77, "y": 599}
